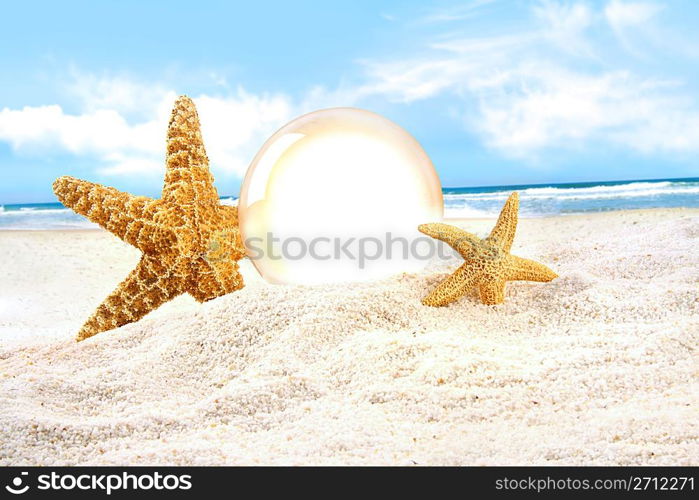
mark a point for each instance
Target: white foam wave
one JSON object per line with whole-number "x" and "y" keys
{"x": 36, "y": 218}
{"x": 233, "y": 202}
{"x": 633, "y": 186}
{"x": 537, "y": 201}
{"x": 35, "y": 211}
{"x": 50, "y": 227}
{"x": 636, "y": 189}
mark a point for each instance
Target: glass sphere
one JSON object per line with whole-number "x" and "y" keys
{"x": 337, "y": 195}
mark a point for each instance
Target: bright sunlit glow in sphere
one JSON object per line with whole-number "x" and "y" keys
{"x": 337, "y": 195}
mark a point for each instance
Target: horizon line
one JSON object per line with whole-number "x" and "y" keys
{"x": 660, "y": 179}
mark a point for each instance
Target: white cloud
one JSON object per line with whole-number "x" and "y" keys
{"x": 565, "y": 26}
{"x": 124, "y": 95}
{"x": 629, "y": 19}
{"x": 46, "y": 127}
{"x": 234, "y": 127}
{"x": 526, "y": 91}
{"x": 549, "y": 106}
{"x": 455, "y": 13}
{"x": 623, "y": 14}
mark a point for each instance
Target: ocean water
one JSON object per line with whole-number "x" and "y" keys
{"x": 536, "y": 200}
{"x": 540, "y": 200}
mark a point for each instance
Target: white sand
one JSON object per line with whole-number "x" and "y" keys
{"x": 597, "y": 367}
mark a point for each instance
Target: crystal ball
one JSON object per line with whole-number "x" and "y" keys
{"x": 337, "y": 195}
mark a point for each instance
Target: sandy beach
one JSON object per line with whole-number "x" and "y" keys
{"x": 599, "y": 367}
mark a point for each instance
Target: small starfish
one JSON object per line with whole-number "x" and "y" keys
{"x": 489, "y": 263}
{"x": 190, "y": 242}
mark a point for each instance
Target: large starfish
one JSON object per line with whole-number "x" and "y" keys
{"x": 190, "y": 242}
{"x": 488, "y": 262}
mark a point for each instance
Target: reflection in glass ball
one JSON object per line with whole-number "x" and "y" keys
{"x": 337, "y": 195}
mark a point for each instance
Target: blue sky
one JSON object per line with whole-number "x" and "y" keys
{"x": 497, "y": 92}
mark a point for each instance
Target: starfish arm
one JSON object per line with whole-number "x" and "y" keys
{"x": 127, "y": 216}
{"x": 229, "y": 220}
{"x": 503, "y": 234}
{"x": 148, "y": 286}
{"x": 452, "y": 288}
{"x": 492, "y": 293}
{"x": 460, "y": 240}
{"x": 519, "y": 269}
{"x": 211, "y": 279}
{"x": 187, "y": 177}
{"x": 216, "y": 273}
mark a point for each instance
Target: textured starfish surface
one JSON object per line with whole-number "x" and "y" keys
{"x": 190, "y": 242}
{"x": 488, "y": 262}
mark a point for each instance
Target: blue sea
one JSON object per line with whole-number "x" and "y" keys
{"x": 536, "y": 200}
